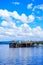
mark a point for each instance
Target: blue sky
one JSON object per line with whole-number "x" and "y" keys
{"x": 21, "y": 20}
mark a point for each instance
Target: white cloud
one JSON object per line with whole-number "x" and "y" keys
{"x": 16, "y": 3}
{"x": 41, "y": 7}
{"x": 29, "y": 6}
{"x": 15, "y": 15}
{"x": 4, "y": 23}
{"x": 23, "y": 32}
{"x": 39, "y": 18}
{"x": 23, "y": 17}
{"x": 31, "y": 18}
{"x": 38, "y": 7}
{"x": 6, "y": 15}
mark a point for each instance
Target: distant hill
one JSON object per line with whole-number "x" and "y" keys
{"x": 5, "y": 42}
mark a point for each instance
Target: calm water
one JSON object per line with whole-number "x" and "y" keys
{"x": 21, "y": 56}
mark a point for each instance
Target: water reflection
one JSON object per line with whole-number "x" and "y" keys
{"x": 21, "y": 56}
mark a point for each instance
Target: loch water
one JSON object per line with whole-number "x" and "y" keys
{"x": 21, "y": 56}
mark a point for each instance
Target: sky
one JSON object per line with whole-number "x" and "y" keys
{"x": 21, "y": 20}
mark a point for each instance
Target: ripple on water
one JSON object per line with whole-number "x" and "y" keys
{"x": 21, "y": 56}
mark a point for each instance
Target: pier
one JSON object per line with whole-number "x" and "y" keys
{"x": 15, "y": 44}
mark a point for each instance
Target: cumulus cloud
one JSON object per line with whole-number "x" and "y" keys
{"x": 31, "y": 18}
{"x": 15, "y": 15}
{"x": 4, "y": 13}
{"x": 29, "y": 6}
{"x": 4, "y": 23}
{"x": 23, "y": 32}
{"x": 39, "y": 18}
{"x": 16, "y": 3}
{"x": 10, "y": 31}
{"x": 38, "y": 7}
{"x": 23, "y": 17}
